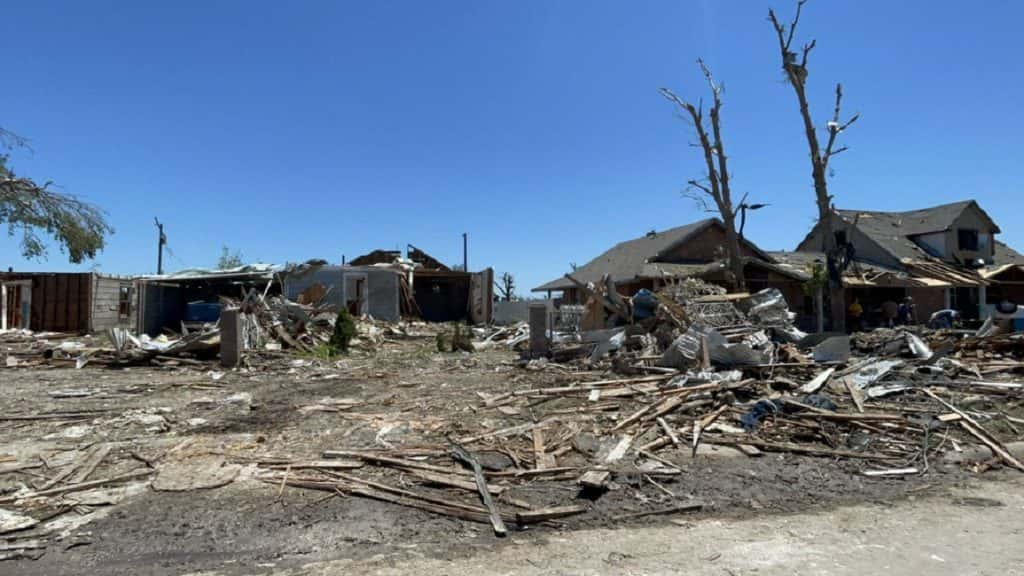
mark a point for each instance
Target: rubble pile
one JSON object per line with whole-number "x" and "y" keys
{"x": 892, "y": 404}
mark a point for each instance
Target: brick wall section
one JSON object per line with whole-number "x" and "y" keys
{"x": 927, "y": 301}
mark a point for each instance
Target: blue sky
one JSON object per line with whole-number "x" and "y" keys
{"x": 315, "y": 129}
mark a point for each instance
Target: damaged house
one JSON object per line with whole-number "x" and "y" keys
{"x": 190, "y": 298}
{"x": 65, "y": 301}
{"x": 693, "y": 250}
{"x": 943, "y": 257}
{"x": 386, "y": 286}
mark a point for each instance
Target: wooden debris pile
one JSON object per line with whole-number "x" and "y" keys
{"x": 879, "y": 416}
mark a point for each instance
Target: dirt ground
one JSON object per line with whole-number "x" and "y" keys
{"x": 202, "y": 433}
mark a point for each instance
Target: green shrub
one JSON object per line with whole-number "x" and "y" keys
{"x": 344, "y": 331}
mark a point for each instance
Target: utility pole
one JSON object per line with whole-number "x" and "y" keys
{"x": 160, "y": 247}
{"x": 465, "y": 252}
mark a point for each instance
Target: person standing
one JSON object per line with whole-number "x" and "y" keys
{"x": 907, "y": 312}
{"x": 890, "y": 311}
{"x": 856, "y": 313}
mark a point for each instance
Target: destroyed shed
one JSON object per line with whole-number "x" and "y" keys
{"x": 437, "y": 293}
{"x": 377, "y": 291}
{"x": 191, "y": 298}
{"x": 934, "y": 255}
{"x": 64, "y": 301}
{"x": 691, "y": 251}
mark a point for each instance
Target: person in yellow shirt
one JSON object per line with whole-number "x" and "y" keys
{"x": 855, "y": 311}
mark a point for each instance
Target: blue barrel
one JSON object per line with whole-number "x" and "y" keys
{"x": 202, "y": 312}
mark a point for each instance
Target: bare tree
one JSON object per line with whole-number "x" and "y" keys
{"x": 507, "y": 288}
{"x": 229, "y": 259}
{"x": 715, "y": 184}
{"x": 25, "y": 206}
{"x": 836, "y": 248}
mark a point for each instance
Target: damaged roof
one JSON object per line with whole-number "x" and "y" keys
{"x": 893, "y": 231}
{"x": 630, "y": 259}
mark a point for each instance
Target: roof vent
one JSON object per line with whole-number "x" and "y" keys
{"x": 652, "y": 234}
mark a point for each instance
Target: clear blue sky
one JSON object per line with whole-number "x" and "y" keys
{"x": 315, "y": 129}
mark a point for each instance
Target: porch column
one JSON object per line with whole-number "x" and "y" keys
{"x": 982, "y": 302}
{"x": 3, "y": 307}
{"x": 948, "y": 303}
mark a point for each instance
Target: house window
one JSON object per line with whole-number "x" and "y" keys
{"x": 124, "y": 301}
{"x": 967, "y": 240}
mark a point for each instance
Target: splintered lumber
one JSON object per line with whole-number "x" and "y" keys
{"x": 700, "y": 424}
{"x": 818, "y": 381}
{"x": 668, "y": 430}
{"x": 634, "y": 417}
{"x": 90, "y": 464}
{"x": 890, "y": 472}
{"x": 452, "y": 481}
{"x": 385, "y": 460}
{"x": 619, "y": 450}
{"x": 979, "y": 432}
{"x": 856, "y": 395}
{"x": 81, "y": 486}
{"x": 317, "y": 464}
{"x": 798, "y": 448}
{"x": 388, "y": 489}
{"x": 541, "y": 459}
{"x": 467, "y": 458}
{"x": 594, "y": 479}
{"x": 535, "y": 516}
{"x": 690, "y": 507}
{"x": 519, "y": 429}
{"x": 18, "y": 468}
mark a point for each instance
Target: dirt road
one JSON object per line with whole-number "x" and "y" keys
{"x": 976, "y": 530}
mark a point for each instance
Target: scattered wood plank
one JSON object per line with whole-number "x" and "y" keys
{"x": 668, "y": 430}
{"x": 595, "y": 479}
{"x": 81, "y": 486}
{"x": 90, "y": 464}
{"x": 890, "y": 472}
{"x": 799, "y": 448}
{"x": 386, "y": 461}
{"x": 979, "y": 432}
{"x": 619, "y": 450}
{"x": 541, "y": 459}
{"x": 467, "y": 458}
{"x": 543, "y": 515}
{"x": 690, "y": 507}
{"x": 318, "y": 464}
{"x": 452, "y": 481}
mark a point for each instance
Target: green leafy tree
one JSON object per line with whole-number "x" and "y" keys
{"x": 35, "y": 211}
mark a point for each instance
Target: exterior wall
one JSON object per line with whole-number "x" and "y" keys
{"x": 867, "y": 250}
{"x": 517, "y": 310}
{"x": 972, "y": 219}
{"x": 59, "y": 301}
{"x": 160, "y": 305}
{"x": 936, "y": 243}
{"x": 106, "y": 309}
{"x": 297, "y": 282}
{"x": 383, "y": 295}
{"x": 927, "y": 301}
{"x": 705, "y": 246}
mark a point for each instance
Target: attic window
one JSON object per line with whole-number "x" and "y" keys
{"x": 840, "y": 236}
{"x": 967, "y": 240}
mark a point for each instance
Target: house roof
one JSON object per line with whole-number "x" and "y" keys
{"x": 1004, "y": 258}
{"x": 893, "y": 231}
{"x": 629, "y": 260}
